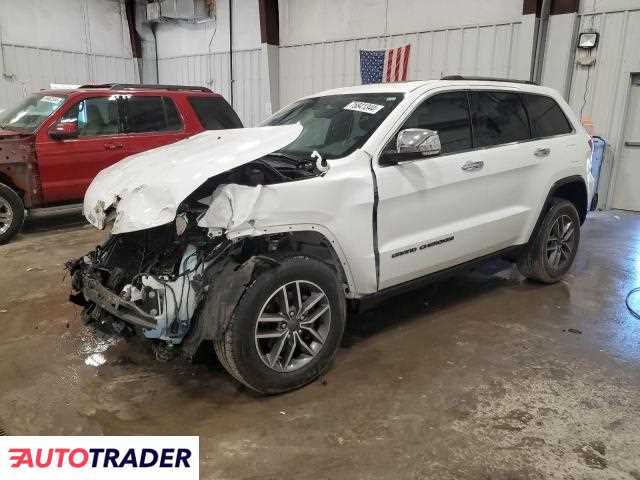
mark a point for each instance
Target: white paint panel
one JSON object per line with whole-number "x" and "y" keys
{"x": 412, "y": 15}
{"x": 56, "y": 24}
{"x": 481, "y": 50}
{"x": 107, "y": 30}
{"x": 309, "y": 21}
{"x": 558, "y": 50}
{"x": 306, "y": 21}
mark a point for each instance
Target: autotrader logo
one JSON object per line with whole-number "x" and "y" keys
{"x": 69, "y": 458}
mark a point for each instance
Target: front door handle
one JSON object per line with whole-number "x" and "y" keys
{"x": 113, "y": 146}
{"x": 542, "y": 152}
{"x": 472, "y": 166}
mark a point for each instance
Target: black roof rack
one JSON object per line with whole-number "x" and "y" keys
{"x": 135, "y": 86}
{"x": 491, "y": 79}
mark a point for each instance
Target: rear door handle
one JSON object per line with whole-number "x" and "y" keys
{"x": 542, "y": 152}
{"x": 113, "y": 146}
{"x": 472, "y": 166}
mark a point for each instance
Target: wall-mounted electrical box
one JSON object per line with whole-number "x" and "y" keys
{"x": 183, "y": 10}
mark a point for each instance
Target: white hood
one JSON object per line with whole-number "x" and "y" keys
{"x": 147, "y": 188}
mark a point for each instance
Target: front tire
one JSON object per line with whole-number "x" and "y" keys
{"x": 553, "y": 245}
{"x": 286, "y": 328}
{"x": 11, "y": 213}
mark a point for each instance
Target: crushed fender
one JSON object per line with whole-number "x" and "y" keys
{"x": 228, "y": 280}
{"x": 231, "y": 205}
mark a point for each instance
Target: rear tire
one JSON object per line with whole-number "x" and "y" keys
{"x": 553, "y": 245}
{"x": 273, "y": 352}
{"x": 11, "y": 213}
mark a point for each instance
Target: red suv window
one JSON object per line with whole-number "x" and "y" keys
{"x": 95, "y": 116}
{"x": 151, "y": 114}
{"x": 215, "y": 113}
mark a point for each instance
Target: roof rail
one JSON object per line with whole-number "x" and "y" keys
{"x": 97, "y": 85}
{"x": 491, "y": 79}
{"x": 134, "y": 86}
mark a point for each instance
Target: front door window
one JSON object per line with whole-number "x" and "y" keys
{"x": 95, "y": 116}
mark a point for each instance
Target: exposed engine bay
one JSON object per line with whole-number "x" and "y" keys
{"x": 153, "y": 281}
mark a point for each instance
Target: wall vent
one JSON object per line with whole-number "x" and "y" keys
{"x": 195, "y": 11}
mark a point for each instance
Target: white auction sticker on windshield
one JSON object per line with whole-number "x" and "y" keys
{"x": 51, "y": 99}
{"x": 364, "y": 107}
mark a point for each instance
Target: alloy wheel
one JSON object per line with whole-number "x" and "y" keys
{"x": 560, "y": 243}
{"x": 292, "y": 326}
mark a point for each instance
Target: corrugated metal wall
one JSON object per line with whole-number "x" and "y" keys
{"x": 480, "y": 50}
{"x": 212, "y": 71}
{"x": 66, "y": 41}
{"x": 31, "y": 68}
{"x": 601, "y": 91}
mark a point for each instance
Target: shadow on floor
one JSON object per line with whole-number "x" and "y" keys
{"x": 424, "y": 302}
{"x": 53, "y": 222}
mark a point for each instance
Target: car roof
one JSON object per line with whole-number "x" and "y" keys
{"x": 406, "y": 87}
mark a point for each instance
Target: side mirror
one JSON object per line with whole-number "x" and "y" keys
{"x": 411, "y": 144}
{"x": 64, "y": 130}
{"x": 418, "y": 140}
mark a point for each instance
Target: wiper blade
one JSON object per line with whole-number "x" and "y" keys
{"x": 284, "y": 156}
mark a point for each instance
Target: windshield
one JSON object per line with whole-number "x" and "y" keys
{"x": 31, "y": 112}
{"x": 335, "y": 125}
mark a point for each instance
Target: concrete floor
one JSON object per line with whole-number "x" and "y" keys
{"x": 482, "y": 376}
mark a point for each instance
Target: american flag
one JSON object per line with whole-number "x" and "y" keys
{"x": 380, "y": 66}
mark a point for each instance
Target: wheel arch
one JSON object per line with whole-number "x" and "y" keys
{"x": 6, "y": 180}
{"x": 573, "y": 189}
{"x": 315, "y": 241}
{"x": 239, "y": 273}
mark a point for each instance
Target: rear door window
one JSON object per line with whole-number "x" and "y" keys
{"x": 215, "y": 113}
{"x": 95, "y": 116}
{"x": 498, "y": 118}
{"x": 546, "y": 116}
{"x": 151, "y": 114}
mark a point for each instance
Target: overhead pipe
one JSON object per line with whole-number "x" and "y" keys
{"x": 148, "y": 41}
{"x": 541, "y": 41}
{"x": 154, "y": 31}
{"x": 231, "y": 53}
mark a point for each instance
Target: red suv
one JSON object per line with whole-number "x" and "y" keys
{"x": 55, "y": 141}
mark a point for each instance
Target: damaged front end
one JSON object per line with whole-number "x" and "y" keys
{"x": 149, "y": 281}
{"x": 178, "y": 282}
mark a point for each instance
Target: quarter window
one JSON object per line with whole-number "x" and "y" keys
{"x": 447, "y": 114}
{"x": 95, "y": 116}
{"x": 546, "y": 116}
{"x": 498, "y": 117}
{"x": 151, "y": 114}
{"x": 215, "y": 113}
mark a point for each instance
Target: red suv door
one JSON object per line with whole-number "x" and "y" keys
{"x": 68, "y": 166}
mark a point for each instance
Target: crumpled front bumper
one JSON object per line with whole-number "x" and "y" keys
{"x": 94, "y": 292}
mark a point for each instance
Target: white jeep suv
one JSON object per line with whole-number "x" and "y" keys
{"x": 260, "y": 240}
